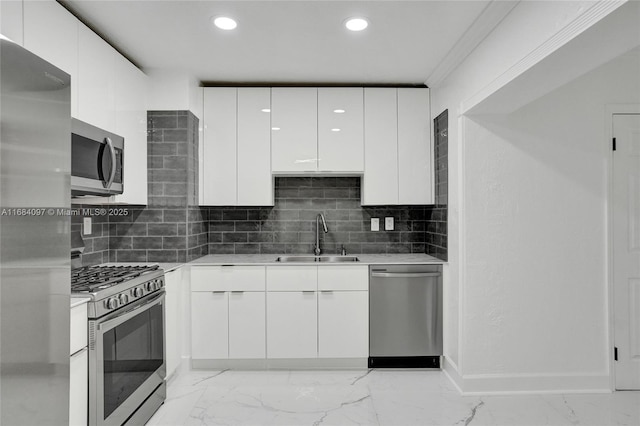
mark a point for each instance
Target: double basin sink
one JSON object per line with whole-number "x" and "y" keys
{"x": 327, "y": 259}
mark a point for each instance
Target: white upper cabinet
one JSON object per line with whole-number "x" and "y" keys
{"x": 380, "y": 183}
{"x": 96, "y": 80}
{"x": 415, "y": 173}
{"x": 11, "y": 24}
{"x": 340, "y": 129}
{"x": 131, "y": 123}
{"x": 255, "y": 185}
{"x": 219, "y": 148}
{"x": 51, "y": 32}
{"x": 236, "y": 147}
{"x": 294, "y": 129}
{"x": 398, "y": 148}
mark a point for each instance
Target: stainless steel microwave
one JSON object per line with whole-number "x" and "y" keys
{"x": 96, "y": 160}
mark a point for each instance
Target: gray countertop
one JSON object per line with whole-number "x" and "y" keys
{"x": 270, "y": 259}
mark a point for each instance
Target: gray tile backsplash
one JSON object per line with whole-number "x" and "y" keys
{"x": 289, "y": 226}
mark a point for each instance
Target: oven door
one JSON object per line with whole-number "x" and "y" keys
{"x": 126, "y": 360}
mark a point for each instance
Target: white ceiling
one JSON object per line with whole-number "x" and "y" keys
{"x": 285, "y": 41}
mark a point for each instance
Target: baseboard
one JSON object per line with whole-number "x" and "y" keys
{"x": 450, "y": 370}
{"x": 281, "y": 364}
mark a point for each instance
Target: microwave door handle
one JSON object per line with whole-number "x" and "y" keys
{"x": 112, "y": 175}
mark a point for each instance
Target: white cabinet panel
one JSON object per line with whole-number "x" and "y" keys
{"x": 173, "y": 322}
{"x": 96, "y": 79}
{"x": 227, "y": 278}
{"x": 11, "y": 20}
{"x": 219, "y": 146}
{"x": 131, "y": 123}
{"x": 255, "y": 185}
{"x": 343, "y": 277}
{"x": 247, "y": 325}
{"x": 294, "y": 129}
{"x": 79, "y": 325}
{"x": 51, "y": 32}
{"x": 380, "y": 183}
{"x": 209, "y": 325}
{"x": 340, "y": 129}
{"x": 79, "y": 388}
{"x": 415, "y": 184}
{"x": 343, "y": 324}
{"x": 292, "y": 325}
{"x": 292, "y": 278}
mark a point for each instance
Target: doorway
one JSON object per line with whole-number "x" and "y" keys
{"x": 625, "y": 210}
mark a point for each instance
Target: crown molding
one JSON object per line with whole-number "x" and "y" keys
{"x": 488, "y": 19}
{"x": 590, "y": 17}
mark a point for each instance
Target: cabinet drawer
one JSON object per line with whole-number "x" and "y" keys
{"x": 227, "y": 278}
{"x": 342, "y": 277}
{"x": 292, "y": 278}
{"x": 78, "y": 328}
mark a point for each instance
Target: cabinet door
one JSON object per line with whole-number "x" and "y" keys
{"x": 51, "y": 32}
{"x": 173, "y": 281}
{"x": 340, "y": 129}
{"x": 131, "y": 123}
{"x": 11, "y": 24}
{"x": 79, "y": 388}
{"x": 255, "y": 185}
{"x": 219, "y": 147}
{"x": 294, "y": 129}
{"x": 96, "y": 79}
{"x": 380, "y": 183}
{"x": 247, "y": 338}
{"x": 415, "y": 176}
{"x": 343, "y": 324}
{"x": 209, "y": 325}
{"x": 292, "y": 325}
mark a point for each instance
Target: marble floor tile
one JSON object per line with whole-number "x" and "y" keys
{"x": 373, "y": 397}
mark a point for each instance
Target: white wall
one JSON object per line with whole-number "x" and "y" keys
{"x": 524, "y": 191}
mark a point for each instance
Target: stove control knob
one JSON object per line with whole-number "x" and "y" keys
{"x": 137, "y": 292}
{"x": 123, "y": 299}
{"x": 111, "y": 303}
{"x": 149, "y": 286}
{"x": 161, "y": 283}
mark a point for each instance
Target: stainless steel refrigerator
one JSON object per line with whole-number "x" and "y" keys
{"x": 35, "y": 164}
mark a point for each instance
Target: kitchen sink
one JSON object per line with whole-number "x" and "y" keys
{"x": 328, "y": 259}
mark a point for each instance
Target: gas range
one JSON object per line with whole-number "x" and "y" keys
{"x": 112, "y": 287}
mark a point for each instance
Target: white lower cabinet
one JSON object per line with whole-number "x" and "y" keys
{"x": 306, "y": 312}
{"x": 227, "y": 312}
{"x": 343, "y": 324}
{"x": 173, "y": 312}
{"x": 78, "y": 366}
{"x": 79, "y": 388}
{"x": 246, "y": 324}
{"x": 292, "y": 323}
{"x": 209, "y": 325}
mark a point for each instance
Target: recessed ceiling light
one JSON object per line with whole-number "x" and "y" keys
{"x": 339, "y": 111}
{"x": 265, "y": 110}
{"x": 356, "y": 24}
{"x": 275, "y": 128}
{"x": 224, "y": 23}
{"x": 335, "y": 130}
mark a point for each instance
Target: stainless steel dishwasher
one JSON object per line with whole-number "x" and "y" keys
{"x": 405, "y": 316}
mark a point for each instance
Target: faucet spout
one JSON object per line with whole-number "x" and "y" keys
{"x": 319, "y": 217}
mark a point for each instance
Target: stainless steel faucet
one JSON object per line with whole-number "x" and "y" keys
{"x": 317, "y": 249}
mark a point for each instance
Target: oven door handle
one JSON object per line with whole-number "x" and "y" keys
{"x": 121, "y": 316}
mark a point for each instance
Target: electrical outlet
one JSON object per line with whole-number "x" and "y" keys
{"x": 388, "y": 223}
{"x": 86, "y": 226}
{"x": 375, "y": 224}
